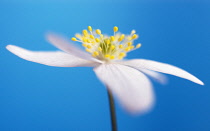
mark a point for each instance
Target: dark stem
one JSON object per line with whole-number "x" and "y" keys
{"x": 112, "y": 112}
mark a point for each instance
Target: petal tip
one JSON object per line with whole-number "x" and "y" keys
{"x": 11, "y": 48}
{"x": 8, "y": 47}
{"x": 201, "y": 83}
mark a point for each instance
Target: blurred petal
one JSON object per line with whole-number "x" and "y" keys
{"x": 63, "y": 44}
{"x": 130, "y": 86}
{"x": 156, "y": 76}
{"x": 161, "y": 67}
{"x": 56, "y": 58}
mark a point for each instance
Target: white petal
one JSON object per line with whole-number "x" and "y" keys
{"x": 56, "y": 58}
{"x": 156, "y": 76}
{"x": 161, "y": 67}
{"x": 63, "y": 44}
{"x": 130, "y": 86}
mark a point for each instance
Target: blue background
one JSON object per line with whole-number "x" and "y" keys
{"x": 35, "y": 97}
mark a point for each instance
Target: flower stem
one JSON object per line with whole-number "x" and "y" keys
{"x": 112, "y": 112}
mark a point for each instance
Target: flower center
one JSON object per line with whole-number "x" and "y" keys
{"x": 107, "y": 48}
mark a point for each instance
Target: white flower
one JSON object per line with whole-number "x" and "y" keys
{"x": 126, "y": 79}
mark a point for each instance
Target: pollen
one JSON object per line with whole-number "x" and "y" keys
{"x": 107, "y": 48}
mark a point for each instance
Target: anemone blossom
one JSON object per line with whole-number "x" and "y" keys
{"x": 125, "y": 79}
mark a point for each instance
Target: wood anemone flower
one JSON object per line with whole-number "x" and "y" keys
{"x": 125, "y": 79}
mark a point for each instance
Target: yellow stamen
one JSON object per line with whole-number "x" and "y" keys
{"x": 133, "y": 32}
{"x": 122, "y": 54}
{"x": 97, "y": 40}
{"x": 138, "y": 45}
{"x": 88, "y": 41}
{"x": 134, "y": 36}
{"x": 129, "y": 38}
{"x": 107, "y": 56}
{"x": 127, "y": 49}
{"x": 120, "y": 58}
{"x": 85, "y": 45}
{"x": 78, "y": 36}
{"x": 129, "y": 43}
{"x": 112, "y": 57}
{"x": 101, "y": 36}
{"x": 84, "y": 39}
{"x": 99, "y": 49}
{"x": 108, "y": 42}
{"x": 89, "y": 28}
{"x": 85, "y": 33}
{"x": 107, "y": 48}
{"x": 74, "y": 39}
{"x": 131, "y": 47}
{"x": 96, "y": 53}
{"x": 88, "y": 50}
{"x": 112, "y": 47}
{"x": 89, "y": 47}
{"x": 112, "y": 38}
{"x": 121, "y": 37}
{"x": 98, "y": 31}
{"x": 120, "y": 46}
{"x": 115, "y": 29}
{"x": 91, "y": 36}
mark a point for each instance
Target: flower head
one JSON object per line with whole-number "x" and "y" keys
{"x": 107, "y": 48}
{"x": 126, "y": 79}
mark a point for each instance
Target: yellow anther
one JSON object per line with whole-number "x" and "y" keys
{"x": 96, "y": 53}
{"x": 74, "y": 39}
{"x": 133, "y": 32}
{"x": 108, "y": 42}
{"x": 129, "y": 38}
{"x": 120, "y": 46}
{"x": 112, "y": 47}
{"x": 120, "y": 57}
{"x": 91, "y": 36}
{"x": 98, "y": 31}
{"x": 88, "y": 41}
{"x": 84, "y": 39}
{"x": 115, "y": 29}
{"x": 89, "y": 47}
{"x": 88, "y": 50}
{"x": 78, "y": 36}
{"x": 101, "y": 36}
{"x": 122, "y": 54}
{"x": 85, "y": 32}
{"x": 131, "y": 47}
{"x": 127, "y": 49}
{"x": 97, "y": 40}
{"x": 134, "y": 36}
{"x": 129, "y": 43}
{"x": 112, "y": 57}
{"x": 107, "y": 56}
{"x": 89, "y": 28}
{"x": 99, "y": 49}
{"x": 121, "y": 37}
{"x": 138, "y": 45}
{"x": 112, "y": 38}
{"x": 85, "y": 45}
{"x": 93, "y": 43}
